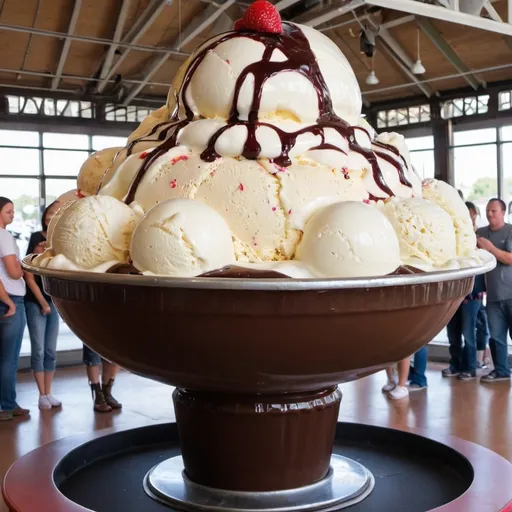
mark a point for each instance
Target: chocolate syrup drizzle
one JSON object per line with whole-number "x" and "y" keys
{"x": 300, "y": 59}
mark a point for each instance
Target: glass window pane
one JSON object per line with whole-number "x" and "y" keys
{"x": 423, "y": 163}
{"x": 506, "y": 133}
{"x": 24, "y": 192}
{"x": 474, "y": 136}
{"x": 414, "y": 143}
{"x": 101, "y": 142}
{"x": 19, "y": 161}
{"x": 18, "y": 138}
{"x": 476, "y": 174}
{"x": 63, "y": 163}
{"x": 65, "y": 141}
{"x": 57, "y": 187}
{"x": 507, "y": 177}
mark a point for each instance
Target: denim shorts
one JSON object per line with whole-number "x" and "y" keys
{"x": 91, "y": 358}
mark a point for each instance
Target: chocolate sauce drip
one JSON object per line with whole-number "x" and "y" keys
{"x": 406, "y": 269}
{"x": 299, "y": 59}
{"x": 236, "y": 272}
{"x": 123, "y": 268}
{"x": 399, "y": 167}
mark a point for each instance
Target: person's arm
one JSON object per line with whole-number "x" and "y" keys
{"x": 8, "y": 253}
{"x": 504, "y": 257}
{"x": 4, "y": 297}
{"x": 31, "y": 283}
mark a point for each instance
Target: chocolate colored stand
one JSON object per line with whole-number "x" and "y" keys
{"x": 256, "y": 363}
{"x": 104, "y": 472}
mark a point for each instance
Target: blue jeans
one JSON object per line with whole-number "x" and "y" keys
{"x": 417, "y": 371}
{"x": 464, "y": 325}
{"x": 43, "y": 330}
{"x": 482, "y": 329}
{"x": 11, "y": 336}
{"x": 500, "y": 322}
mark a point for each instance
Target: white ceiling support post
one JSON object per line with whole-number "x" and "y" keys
{"x": 335, "y": 13}
{"x": 67, "y": 44}
{"x": 441, "y": 13}
{"x": 454, "y": 4}
{"x": 109, "y": 58}
{"x": 195, "y": 28}
{"x": 146, "y": 19}
{"x": 449, "y": 54}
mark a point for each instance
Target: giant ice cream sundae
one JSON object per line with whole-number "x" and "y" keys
{"x": 261, "y": 159}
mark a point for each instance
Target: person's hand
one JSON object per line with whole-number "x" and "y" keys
{"x": 11, "y": 311}
{"x": 485, "y": 244}
{"x": 40, "y": 248}
{"x": 46, "y": 309}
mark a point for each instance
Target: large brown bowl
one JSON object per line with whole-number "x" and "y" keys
{"x": 256, "y": 360}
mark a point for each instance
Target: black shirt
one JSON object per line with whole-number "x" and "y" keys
{"x": 34, "y": 241}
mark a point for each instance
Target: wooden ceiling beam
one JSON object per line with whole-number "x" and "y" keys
{"x": 67, "y": 43}
{"x": 118, "y": 33}
{"x": 194, "y": 29}
{"x": 448, "y": 52}
{"x": 405, "y": 62}
{"x": 143, "y": 23}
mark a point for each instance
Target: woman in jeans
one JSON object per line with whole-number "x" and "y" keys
{"x": 42, "y": 321}
{"x": 12, "y": 327}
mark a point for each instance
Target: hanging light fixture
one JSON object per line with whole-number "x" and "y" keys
{"x": 418, "y": 68}
{"x": 372, "y": 78}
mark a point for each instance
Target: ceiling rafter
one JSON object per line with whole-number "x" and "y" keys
{"x": 118, "y": 33}
{"x": 194, "y": 28}
{"x": 448, "y": 52}
{"x": 335, "y": 13}
{"x": 139, "y": 28}
{"x": 400, "y": 56}
{"x": 67, "y": 43}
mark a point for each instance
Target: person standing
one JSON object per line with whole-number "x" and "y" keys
{"x": 12, "y": 327}
{"x": 42, "y": 321}
{"x": 415, "y": 374}
{"x": 101, "y": 393}
{"x": 462, "y": 328}
{"x": 497, "y": 239}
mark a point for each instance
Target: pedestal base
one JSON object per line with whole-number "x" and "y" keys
{"x": 346, "y": 483}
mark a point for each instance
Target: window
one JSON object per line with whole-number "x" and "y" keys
{"x": 101, "y": 142}
{"x": 421, "y": 150}
{"x": 19, "y": 161}
{"x": 476, "y": 173}
{"x": 65, "y": 141}
{"x": 18, "y": 138}
{"x": 63, "y": 163}
{"x": 470, "y": 137}
{"x": 57, "y": 187}
{"x": 506, "y": 133}
{"x": 506, "y": 152}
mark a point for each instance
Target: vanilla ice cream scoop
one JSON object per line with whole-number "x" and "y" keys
{"x": 181, "y": 237}
{"x": 349, "y": 239}
{"x": 425, "y": 231}
{"x": 93, "y": 231}
{"x": 92, "y": 171}
{"x": 445, "y": 196}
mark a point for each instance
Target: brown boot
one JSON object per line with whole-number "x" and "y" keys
{"x": 100, "y": 404}
{"x": 107, "y": 392}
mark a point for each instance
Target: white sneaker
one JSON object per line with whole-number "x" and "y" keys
{"x": 389, "y": 386}
{"x": 399, "y": 393}
{"x": 53, "y": 401}
{"x": 44, "y": 403}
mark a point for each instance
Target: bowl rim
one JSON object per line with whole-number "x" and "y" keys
{"x": 264, "y": 284}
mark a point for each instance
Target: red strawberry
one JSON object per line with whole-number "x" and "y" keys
{"x": 262, "y": 16}
{"x": 239, "y": 25}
